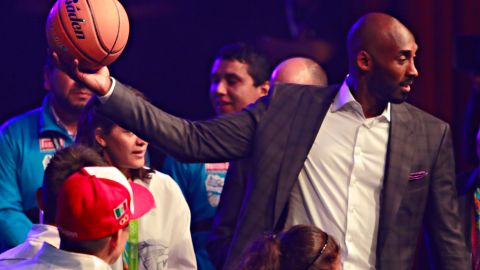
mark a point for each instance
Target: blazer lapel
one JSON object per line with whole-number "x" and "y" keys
{"x": 399, "y": 154}
{"x": 308, "y": 118}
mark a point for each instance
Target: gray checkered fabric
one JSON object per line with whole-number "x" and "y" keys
{"x": 273, "y": 137}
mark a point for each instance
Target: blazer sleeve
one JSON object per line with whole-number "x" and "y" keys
{"x": 442, "y": 216}
{"x": 218, "y": 140}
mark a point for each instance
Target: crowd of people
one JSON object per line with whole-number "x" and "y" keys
{"x": 293, "y": 173}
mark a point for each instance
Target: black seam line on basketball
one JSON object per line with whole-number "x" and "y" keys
{"x": 84, "y": 54}
{"x": 118, "y": 25}
{"x": 116, "y": 38}
{"x": 104, "y": 47}
{"x": 98, "y": 62}
{"x": 95, "y": 27}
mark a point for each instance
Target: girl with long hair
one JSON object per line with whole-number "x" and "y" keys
{"x": 161, "y": 238}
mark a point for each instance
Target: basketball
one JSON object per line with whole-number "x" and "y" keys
{"x": 93, "y": 31}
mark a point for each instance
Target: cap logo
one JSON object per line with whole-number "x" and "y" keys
{"x": 125, "y": 219}
{"x": 120, "y": 210}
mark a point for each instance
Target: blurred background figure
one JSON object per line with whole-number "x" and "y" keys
{"x": 299, "y": 70}
{"x": 467, "y": 59}
{"x": 302, "y": 247}
{"x": 239, "y": 76}
{"x": 92, "y": 224}
{"x": 27, "y": 143}
{"x": 468, "y": 186}
{"x": 308, "y": 31}
{"x": 468, "y": 182}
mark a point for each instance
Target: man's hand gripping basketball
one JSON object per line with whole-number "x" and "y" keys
{"x": 98, "y": 81}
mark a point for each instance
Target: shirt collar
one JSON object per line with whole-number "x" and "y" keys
{"x": 344, "y": 97}
{"x": 55, "y": 116}
{"x": 59, "y": 122}
{"x": 386, "y": 113}
{"x": 44, "y": 233}
{"x": 62, "y": 258}
{"x": 48, "y": 120}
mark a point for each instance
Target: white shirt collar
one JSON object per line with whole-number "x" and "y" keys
{"x": 57, "y": 258}
{"x": 344, "y": 97}
{"x": 44, "y": 233}
{"x": 60, "y": 123}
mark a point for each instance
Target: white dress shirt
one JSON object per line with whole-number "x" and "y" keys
{"x": 38, "y": 234}
{"x": 339, "y": 187}
{"x": 49, "y": 257}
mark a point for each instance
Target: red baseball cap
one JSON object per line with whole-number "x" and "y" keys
{"x": 98, "y": 201}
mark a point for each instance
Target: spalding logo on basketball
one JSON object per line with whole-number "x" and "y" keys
{"x": 93, "y": 31}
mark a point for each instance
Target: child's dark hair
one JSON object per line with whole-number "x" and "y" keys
{"x": 64, "y": 163}
{"x": 302, "y": 247}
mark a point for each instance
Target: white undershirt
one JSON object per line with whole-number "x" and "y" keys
{"x": 339, "y": 186}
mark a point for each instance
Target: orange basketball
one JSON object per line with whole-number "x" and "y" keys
{"x": 93, "y": 31}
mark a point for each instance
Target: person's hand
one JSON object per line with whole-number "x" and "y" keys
{"x": 98, "y": 81}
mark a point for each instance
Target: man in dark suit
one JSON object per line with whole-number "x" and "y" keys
{"x": 354, "y": 159}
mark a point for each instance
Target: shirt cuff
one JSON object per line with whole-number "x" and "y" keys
{"x": 105, "y": 97}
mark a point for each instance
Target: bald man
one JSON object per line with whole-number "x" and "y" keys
{"x": 299, "y": 70}
{"x": 353, "y": 159}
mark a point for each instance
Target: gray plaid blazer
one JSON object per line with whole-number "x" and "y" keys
{"x": 275, "y": 135}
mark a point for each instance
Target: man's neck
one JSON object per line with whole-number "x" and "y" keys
{"x": 102, "y": 254}
{"x": 68, "y": 118}
{"x": 370, "y": 105}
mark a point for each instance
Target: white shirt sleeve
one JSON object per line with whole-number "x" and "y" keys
{"x": 166, "y": 228}
{"x": 182, "y": 254}
{"x": 105, "y": 98}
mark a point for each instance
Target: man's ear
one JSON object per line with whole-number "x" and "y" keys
{"x": 38, "y": 196}
{"x": 100, "y": 137}
{"x": 114, "y": 241}
{"x": 263, "y": 88}
{"x": 364, "y": 61}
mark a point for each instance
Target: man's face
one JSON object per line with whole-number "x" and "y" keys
{"x": 65, "y": 91}
{"x": 393, "y": 67}
{"x": 123, "y": 148}
{"x": 231, "y": 87}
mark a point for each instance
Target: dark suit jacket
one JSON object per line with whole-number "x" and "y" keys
{"x": 277, "y": 133}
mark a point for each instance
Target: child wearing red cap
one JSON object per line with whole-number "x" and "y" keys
{"x": 64, "y": 163}
{"x": 94, "y": 208}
